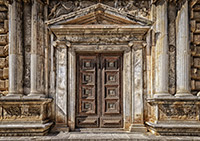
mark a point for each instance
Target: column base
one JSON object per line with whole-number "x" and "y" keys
{"x": 60, "y": 128}
{"x": 34, "y": 95}
{"x": 12, "y": 95}
{"x": 158, "y": 95}
{"x": 184, "y": 95}
{"x": 138, "y": 128}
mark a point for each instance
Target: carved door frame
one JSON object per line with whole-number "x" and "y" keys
{"x": 127, "y": 78}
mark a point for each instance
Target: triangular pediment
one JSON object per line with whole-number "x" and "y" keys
{"x": 99, "y": 14}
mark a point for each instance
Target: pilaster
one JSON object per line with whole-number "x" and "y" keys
{"x": 61, "y": 86}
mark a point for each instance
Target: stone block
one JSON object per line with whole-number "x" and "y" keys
{"x": 6, "y": 25}
{"x": 1, "y": 50}
{"x": 5, "y": 50}
{"x": 5, "y": 73}
{"x": 197, "y": 85}
{"x": 3, "y": 8}
{"x": 2, "y": 84}
{"x": 197, "y": 62}
{"x": 3, "y": 39}
{"x": 2, "y": 63}
{"x": 5, "y": 92}
{"x": 196, "y": 51}
{"x": 6, "y": 62}
{"x": 6, "y": 84}
{"x": 195, "y": 73}
{"x": 197, "y": 39}
{"x": 1, "y": 73}
{"x": 198, "y": 27}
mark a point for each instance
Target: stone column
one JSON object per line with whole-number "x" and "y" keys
{"x": 15, "y": 50}
{"x": 35, "y": 53}
{"x": 183, "y": 52}
{"x": 161, "y": 51}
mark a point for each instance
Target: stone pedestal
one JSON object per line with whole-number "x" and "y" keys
{"x": 175, "y": 116}
{"x": 25, "y": 116}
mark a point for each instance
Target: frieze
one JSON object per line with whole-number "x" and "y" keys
{"x": 20, "y": 111}
{"x": 178, "y": 111}
{"x": 103, "y": 39}
{"x": 134, "y": 7}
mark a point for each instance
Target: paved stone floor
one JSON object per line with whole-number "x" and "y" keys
{"x": 77, "y": 136}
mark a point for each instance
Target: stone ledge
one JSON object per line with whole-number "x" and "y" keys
{"x": 172, "y": 99}
{"x": 24, "y": 129}
{"x": 181, "y": 129}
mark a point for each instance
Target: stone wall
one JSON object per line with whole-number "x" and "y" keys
{"x": 195, "y": 45}
{"x": 3, "y": 48}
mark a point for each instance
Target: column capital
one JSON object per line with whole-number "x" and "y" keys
{"x": 59, "y": 43}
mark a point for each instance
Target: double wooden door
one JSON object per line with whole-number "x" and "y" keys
{"x": 99, "y": 91}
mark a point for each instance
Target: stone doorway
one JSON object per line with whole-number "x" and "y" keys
{"x": 99, "y": 91}
{"x": 118, "y": 33}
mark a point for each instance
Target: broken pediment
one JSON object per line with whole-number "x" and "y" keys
{"x": 99, "y": 14}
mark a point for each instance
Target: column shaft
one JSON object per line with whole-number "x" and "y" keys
{"x": 161, "y": 51}
{"x": 183, "y": 52}
{"x": 15, "y": 50}
{"x": 37, "y": 62}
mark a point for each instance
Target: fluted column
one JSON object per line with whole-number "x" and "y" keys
{"x": 15, "y": 50}
{"x": 183, "y": 52}
{"x": 161, "y": 51}
{"x": 36, "y": 55}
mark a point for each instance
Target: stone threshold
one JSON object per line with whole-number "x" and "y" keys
{"x": 101, "y": 130}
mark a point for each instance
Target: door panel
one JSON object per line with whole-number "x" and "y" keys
{"x": 99, "y": 101}
{"x": 87, "y": 115}
{"x": 111, "y": 94}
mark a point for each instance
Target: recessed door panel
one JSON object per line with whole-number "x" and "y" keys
{"x": 99, "y": 100}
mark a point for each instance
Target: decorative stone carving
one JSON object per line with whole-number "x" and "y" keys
{"x": 21, "y": 111}
{"x": 134, "y": 7}
{"x": 178, "y": 111}
{"x": 108, "y": 39}
{"x": 11, "y": 111}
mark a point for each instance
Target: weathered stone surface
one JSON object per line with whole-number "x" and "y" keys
{"x": 1, "y": 73}
{"x": 2, "y": 85}
{"x": 3, "y": 39}
{"x": 197, "y": 62}
{"x": 2, "y": 63}
{"x": 5, "y": 73}
{"x": 197, "y": 39}
{"x": 6, "y": 84}
{"x": 3, "y": 8}
{"x": 2, "y": 51}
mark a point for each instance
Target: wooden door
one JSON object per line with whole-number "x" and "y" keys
{"x": 99, "y": 91}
